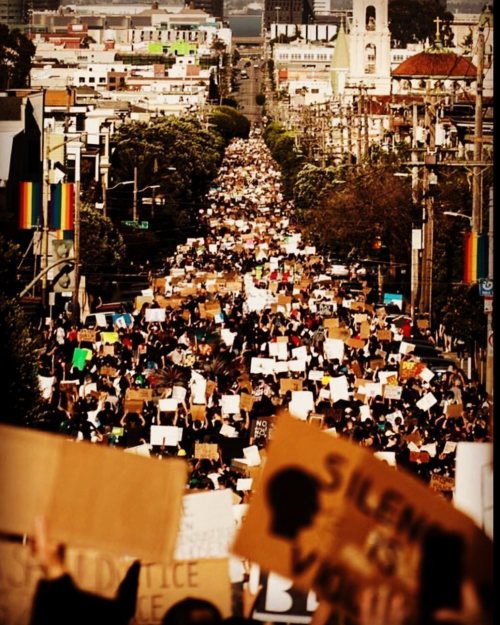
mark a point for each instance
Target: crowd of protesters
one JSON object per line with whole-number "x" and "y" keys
{"x": 252, "y": 310}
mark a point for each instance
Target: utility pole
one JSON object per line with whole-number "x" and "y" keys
{"x": 134, "y": 202}
{"x": 478, "y": 132}
{"x": 75, "y": 309}
{"x": 428, "y": 212}
{"x": 489, "y": 315}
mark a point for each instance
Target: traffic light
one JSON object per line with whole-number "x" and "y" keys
{"x": 63, "y": 273}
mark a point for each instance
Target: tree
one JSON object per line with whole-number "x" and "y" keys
{"x": 312, "y": 184}
{"x": 371, "y": 203}
{"x": 406, "y": 29}
{"x": 102, "y": 249}
{"x": 229, "y": 122}
{"x": 16, "y": 54}
{"x": 19, "y": 382}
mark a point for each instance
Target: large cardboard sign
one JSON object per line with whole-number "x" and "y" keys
{"x": 69, "y": 483}
{"x": 160, "y": 584}
{"x": 333, "y": 518}
{"x": 279, "y": 601}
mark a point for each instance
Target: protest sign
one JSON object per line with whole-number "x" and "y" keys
{"x": 301, "y": 404}
{"x": 312, "y": 482}
{"x": 73, "y": 493}
{"x": 391, "y": 391}
{"x": 206, "y": 450}
{"x": 290, "y": 384}
{"x": 198, "y": 412}
{"x": 88, "y": 336}
{"x": 155, "y": 315}
{"x": 230, "y": 404}
{"x": 262, "y": 427}
{"x": 246, "y": 402}
{"x": 279, "y": 601}
{"x": 160, "y": 584}
{"x": 168, "y": 435}
{"x": 454, "y": 410}
{"x": 168, "y": 404}
{"x": 206, "y": 527}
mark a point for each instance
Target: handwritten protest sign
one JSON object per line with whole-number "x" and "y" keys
{"x": 74, "y": 475}
{"x": 262, "y": 427}
{"x": 206, "y": 526}
{"x": 206, "y": 450}
{"x": 160, "y": 584}
{"x": 355, "y": 506}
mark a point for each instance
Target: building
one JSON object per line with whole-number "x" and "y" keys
{"x": 287, "y": 12}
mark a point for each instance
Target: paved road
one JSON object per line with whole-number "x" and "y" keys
{"x": 250, "y": 87}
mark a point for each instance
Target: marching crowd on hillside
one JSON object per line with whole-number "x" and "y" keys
{"x": 246, "y": 322}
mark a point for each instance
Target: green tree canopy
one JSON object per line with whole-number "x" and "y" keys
{"x": 19, "y": 381}
{"x": 406, "y": 29}
{"x": 16, "y": 54}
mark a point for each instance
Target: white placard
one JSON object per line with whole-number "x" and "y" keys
{"x": 198, "y": 387}
{"x": 207, "y": 525}
{"x": 252, "y": 455}
{"x": 339, "y": 388}
{"x": 406, "y": 348}
{"x": 333, "y": 348}
{"x": 155, "y": 314}
{"x": 315, "y": 376}
{"x": 228, "y": 430}
{"x": 168, "y": 404}
{"x": 230, "y": 404}
{"x": 244, "y": 483}
{"x": 449, "y": 447}
{"x": 262, "y": 365}
{"x": 430, "y": 448}
{"x": 426, "y": 374}
{"x": 426, "y": 402}
{"x": 169, "y": 435}
{"x": 302, "y": 402}
{"x": 299, "y": 353}
{"x": 227, "y": 336}
{"x": 139, "y": 450}
{"x": 296, "y": 366}
{"x": 179, "y": 393}
{"x": 364, "y": 412}
{"x": 387, "y": 456}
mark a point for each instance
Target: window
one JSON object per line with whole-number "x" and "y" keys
{"x": 370, "y": 23}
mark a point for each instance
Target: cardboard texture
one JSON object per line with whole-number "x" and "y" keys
{"x": 337, "y": 484}
{"x": 87, "y": 335}
{"x": 206, "y": 450}
{"x": 160, "y": 585}
{"x": 73, "y": 492}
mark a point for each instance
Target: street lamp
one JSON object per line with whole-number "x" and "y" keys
{"x": 452, "y": 214}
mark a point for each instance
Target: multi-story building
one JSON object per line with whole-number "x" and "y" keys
{"x": 288, "y": 12}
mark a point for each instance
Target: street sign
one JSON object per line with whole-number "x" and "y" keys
{"x": 138, "y": 225}
{"x": 486, "y": 287}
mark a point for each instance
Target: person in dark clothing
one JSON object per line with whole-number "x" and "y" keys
{"x": 59, "y": 601}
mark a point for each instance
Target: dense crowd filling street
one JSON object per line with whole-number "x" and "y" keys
{"x": 242, "y": 326}
{"x": 246, "y": 322}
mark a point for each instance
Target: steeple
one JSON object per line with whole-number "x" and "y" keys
{"x": 340, "y": 61}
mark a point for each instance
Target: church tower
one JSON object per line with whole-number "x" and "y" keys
{"x": 370, "y": 46}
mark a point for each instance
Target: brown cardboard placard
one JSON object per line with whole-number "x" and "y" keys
{"x": 364, "y": 330}
{"x": 442, "y": 483}
{"x": 384, "y": 335}
{"x": 357, "y": 306}
{"x": 423, "y": 324}
{"x": 198, "y": 412}
{"x": 73, "y": 494}
{"x": 339, "y": 333}
{"x": 160, "y": 584}
{"x": 159, "y": 285}
{"x": 310, "y": 555}
{"x": 355, "y": 343}
{"x": 140, "y": 300}
{"x": 290, "y": 384}
{"x": 111, "y": 371}
{"x": 454, "y": 410}
{"x": 206, "y": 450}
{"x": 332, "y": 322}
{"x": 87, "y": 335}
{"x": 246, "y": 401}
